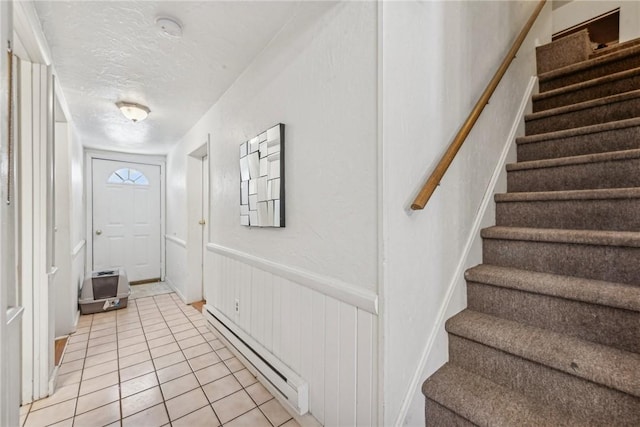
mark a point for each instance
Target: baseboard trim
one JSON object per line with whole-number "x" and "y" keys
{"x": 53, "y": 380}
{"x": 169, "y": 282}
{"x": 75, "y": 323}
{"x": 342, "y": 291}
{"x": 414, "y": 385}
{"x": 176, "y": 240}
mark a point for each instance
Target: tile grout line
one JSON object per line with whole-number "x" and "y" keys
{"x": 84, "y": 360}
{"x": 118, "y": 360}
{"x": 155, "y": 371}
{"x": 133, "y": 378}
{"x": 245, "y": 390}
{"x": 117, "y": 369}
{"x": 188, "y": 364}
{"x": 201, "y": 386}
{"x": 77, "y": 394}
{"x": 103, "y": 388}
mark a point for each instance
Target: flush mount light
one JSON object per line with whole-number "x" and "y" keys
{"x": 169, "y": 26}
{"x": 133, "y": 112}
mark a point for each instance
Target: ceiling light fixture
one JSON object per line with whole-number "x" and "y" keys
{"x": 169, "y": 26}
{"x": 132, "y": 111}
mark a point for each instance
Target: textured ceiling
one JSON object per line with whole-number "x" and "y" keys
{"x": 109, "y": 51}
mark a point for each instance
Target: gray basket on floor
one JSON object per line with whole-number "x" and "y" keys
{"x": 104, "y": 290}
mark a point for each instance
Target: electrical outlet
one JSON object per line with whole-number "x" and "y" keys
{"x": 237, "y": 306}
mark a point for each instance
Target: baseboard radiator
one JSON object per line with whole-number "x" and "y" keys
{"x": 293, "y": 388}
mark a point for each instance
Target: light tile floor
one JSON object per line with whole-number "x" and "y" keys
{"x": 154, "y": 363}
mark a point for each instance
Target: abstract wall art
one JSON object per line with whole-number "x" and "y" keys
{"x": 262, "y": 179}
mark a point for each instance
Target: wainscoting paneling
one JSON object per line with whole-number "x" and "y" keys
{"x": 176, "y": 271}
{"x": 330, "y": 343}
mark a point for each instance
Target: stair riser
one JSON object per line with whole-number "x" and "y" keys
{"x": 437, "y": 415}
{"x": 595, "y": 404}
{"x": 565, "y": 51}
{"x": 626, "y": 109}
{"x": 601, "y": 142}
{"x": 609, "y": 263}
{"x": 610, "y": 174}
{"x": 599, "y": 91}
{"x": 605, "y": 325}
{"x": 601, "y": 70}
{"x": 606, "y": 214}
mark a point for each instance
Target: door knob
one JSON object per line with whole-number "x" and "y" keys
{"x": 98, "y": 232}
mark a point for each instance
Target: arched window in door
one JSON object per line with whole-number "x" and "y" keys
{"x": 128, "y": 176}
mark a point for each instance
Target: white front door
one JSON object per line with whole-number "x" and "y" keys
{"x": 126, "y": 218}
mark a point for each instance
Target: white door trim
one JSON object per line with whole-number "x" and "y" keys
{"x": 206, "y": 207}
{"x": 36, "y": 270}
{"x": 195, "y": 252}
{"x": 130, "y": 158}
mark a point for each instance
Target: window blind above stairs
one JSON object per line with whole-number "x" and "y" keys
{"x": 551, "y": 334}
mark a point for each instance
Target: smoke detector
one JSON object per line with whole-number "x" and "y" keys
{"x": 170, "y": 27}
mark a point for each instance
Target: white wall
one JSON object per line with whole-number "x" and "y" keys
{"x": 437, "y": 59}
{"x": 77, "y": 216}
{"x": 70, "y": 243}
{"x": 308, "y": 291}
{"x": 65, "y": 313}
{"x": 323, "y": 87}
{"x": 578, "y": 11}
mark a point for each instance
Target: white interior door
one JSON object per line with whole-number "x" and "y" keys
{"x": 126, "y": 218}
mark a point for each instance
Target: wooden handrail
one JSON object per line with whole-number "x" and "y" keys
{"x": 434, "y": 180}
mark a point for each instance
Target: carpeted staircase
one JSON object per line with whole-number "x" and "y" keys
{"x": 551, "y": 335}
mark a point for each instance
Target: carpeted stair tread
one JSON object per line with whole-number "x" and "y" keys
{"x": 597, "y": 194}
{"x": 600, "y": 87}
{"x": 616, "y": 107}
{"x": 599, "y": 209}
{"x": 589, "y": 63}
{"x": 607, "y": 100}
{"x": 611, "y": 256}
{"x": 603, "y": 324}
{"x": 611, "y": 136}
{"x": 597, "y": 363}
{"x": 590, "y": 69}
{"x": 577, "y": 237}
{"x": 486, "y": 403}
{"x": 614, "y": 48}
{"x": 575, "y": 160}
{"x": 438, "y": 415}
{"x": 589, "y": 171}
{"x": 611, "y": 294}
{"x": 578, "y": 131}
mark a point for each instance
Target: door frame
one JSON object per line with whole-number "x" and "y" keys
{"x": 194, "y": 289}
{"x": 90, "y": 155}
